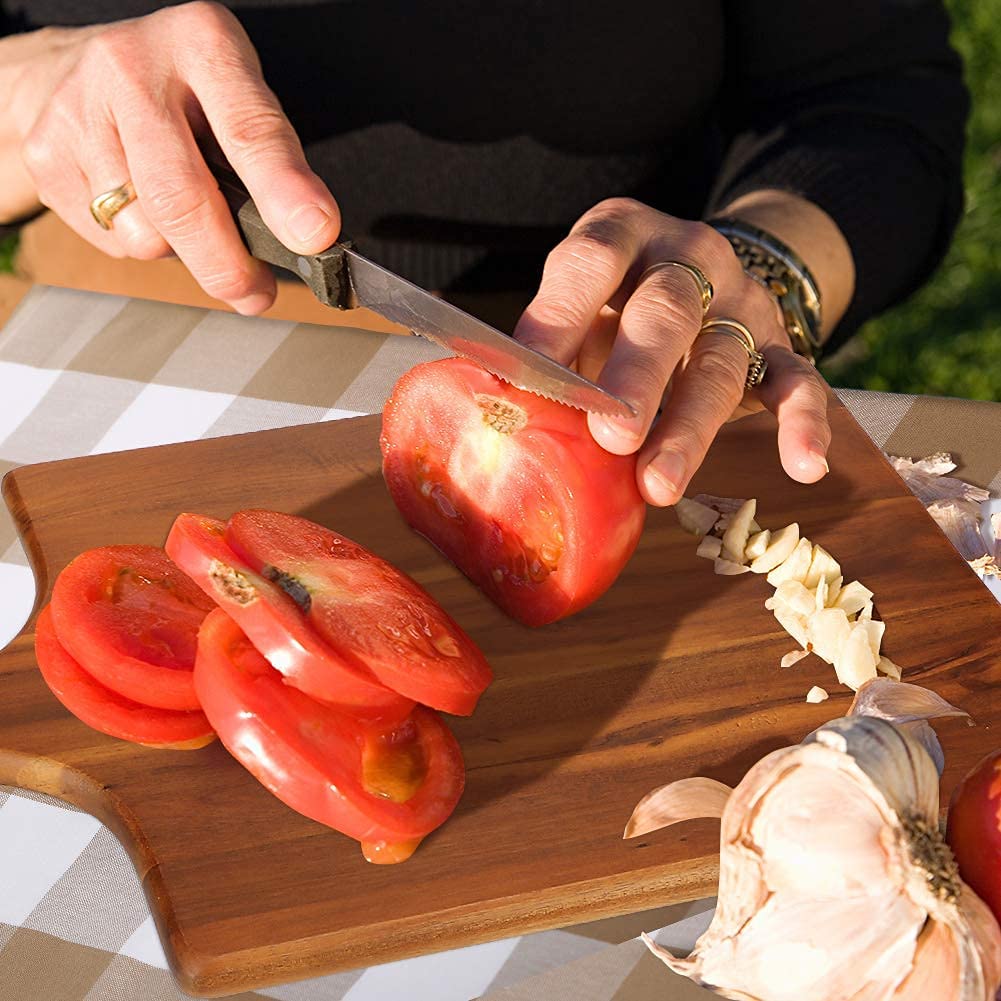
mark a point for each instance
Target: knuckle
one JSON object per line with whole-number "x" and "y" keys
{"x": 178, "y": 207}
{"x": 618, "y": 207}
{"x": 719, "y": 369}
{"x": 202, "y": 14}
{"x": 37, "y": 153}
{"x": 228, "y": 284}
{"x": 714, "y": 244}
{"x": 261, "y": 129}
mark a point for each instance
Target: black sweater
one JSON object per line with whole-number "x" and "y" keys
{"x": 461, "y": 139}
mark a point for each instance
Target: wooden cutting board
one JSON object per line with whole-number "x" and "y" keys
{"x": 673, "y": 673}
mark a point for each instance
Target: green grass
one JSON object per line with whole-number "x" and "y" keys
{"x": 946, "y": 339}
{"x": 8, "y": 246}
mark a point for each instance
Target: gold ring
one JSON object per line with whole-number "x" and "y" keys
{"x": 105, "y": 207}
{"x": 704, "y": 285}
{"x": 756, "y": 363}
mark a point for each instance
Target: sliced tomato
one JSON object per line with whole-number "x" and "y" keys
{"x": 275, "y": 623}
{"x": 511, "y": 487}
{"x": 365, "y": 608}
{"x": 130, "y": 617}
{"x": 386, "y": 786}
{"x": 101, "y": 708}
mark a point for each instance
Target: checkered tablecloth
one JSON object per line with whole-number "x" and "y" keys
{"x": 82, "y": 373}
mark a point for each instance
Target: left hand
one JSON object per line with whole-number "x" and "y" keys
{"x": 636, "y": 332}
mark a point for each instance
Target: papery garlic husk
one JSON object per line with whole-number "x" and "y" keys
{"x": 835, "y": 882}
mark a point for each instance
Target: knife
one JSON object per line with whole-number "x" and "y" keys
{"x": 344, "y": 279}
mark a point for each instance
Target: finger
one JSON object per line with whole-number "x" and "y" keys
{"x": 703, "y": 395}
{"x": 107, "y": 169}
{"x": 658, "y": 325}
{"x": 259, "y": 142}
{"x": 182, "y": 200}
{"x": 598, "y": 343}
{"x": 580, "y": 275}
{"x": 794, "y": 391}
{"x": 61, "y": 183}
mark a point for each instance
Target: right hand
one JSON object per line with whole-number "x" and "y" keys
{"x": 89, "y": 108}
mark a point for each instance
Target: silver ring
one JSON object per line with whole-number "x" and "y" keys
{"x": 756, "y": 363}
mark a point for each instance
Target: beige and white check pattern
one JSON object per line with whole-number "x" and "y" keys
{"x": 82, "y": 373}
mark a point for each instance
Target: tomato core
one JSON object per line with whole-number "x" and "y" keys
{"x": 502, "y": 415}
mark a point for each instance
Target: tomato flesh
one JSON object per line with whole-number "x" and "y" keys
{"x": 275, "y": 623}
{"x": 973, "y": 830}
{"x": 107, "y": 711}
{"x": 385, "y": 785}
{"x": 511, "y": 487}
{"x": 365, "y": 608}
{"x": 130, "y": 617}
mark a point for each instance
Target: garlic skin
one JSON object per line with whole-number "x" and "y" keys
{"x": 835, "y": 882}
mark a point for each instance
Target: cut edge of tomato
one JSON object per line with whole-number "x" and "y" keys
{"x": 187, "y": 729}
{"x": 274, "y": 623}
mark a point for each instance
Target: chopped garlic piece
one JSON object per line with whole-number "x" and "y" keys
{"x": 695, "y": 517}
{"x": 735, "y": 537}
{"x": 795, "y": 567}
{"x": 887, "y": 667}
{"x": 822, "y": 565}
{"x": 794, "y": 624}
{"x": 757, "y": 544}
{"x": 816, "y": 694}
{"x": 853, "y": 597}
{"x": 780, "y": 547}
{"x": 796, "y": 596}
{"x": 828, "y": 631}
{"x": 855, "y": 663}
{"x": 793, "y": 657}
{"x": 727, "y": 568}
{"x": 709, "y": 548}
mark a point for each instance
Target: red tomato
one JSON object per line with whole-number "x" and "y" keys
{"x": 275, "y": 623}
{"x": 511, "y": 487}
{"x": 974, "y": 830}
{"x": 386, "y": 786}
{"x": 105, "y": 710}
{"x": 130, "y": 617}
{"x": 365, "y": 609}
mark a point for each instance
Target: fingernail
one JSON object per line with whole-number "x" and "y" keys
{"x": 815, "y": 460}
{"x": 665, "y": 477}
{"x": 253, "y": 304}
{"x": 307, "y": 221}
{"x": 616, "y": 435}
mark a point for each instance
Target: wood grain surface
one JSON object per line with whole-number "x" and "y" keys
{"x": 673, "y": 673}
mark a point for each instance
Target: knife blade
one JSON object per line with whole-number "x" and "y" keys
{"x": 344, "y": 279}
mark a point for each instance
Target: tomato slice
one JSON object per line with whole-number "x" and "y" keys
{"x": 511, "y": 487}
{"x": 275, "y": 624}
{"x": 385, "y": 785}
{"x": 101, "y": 708}
{"x": 366, "y": 609}
{"x": 130, "y": 617}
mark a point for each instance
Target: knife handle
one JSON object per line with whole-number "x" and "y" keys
{"x": 326, "y": 273}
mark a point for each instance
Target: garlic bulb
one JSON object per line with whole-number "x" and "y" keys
{"x": 835, "y": 882}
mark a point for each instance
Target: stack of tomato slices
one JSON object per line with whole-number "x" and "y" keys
{"x": 312, "y": 656}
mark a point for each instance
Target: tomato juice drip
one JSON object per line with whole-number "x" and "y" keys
{"x": 388, "y": 852}
{"x": 393, "y": 763}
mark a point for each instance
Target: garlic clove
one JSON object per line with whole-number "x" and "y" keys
{"x": 823, "y": 566}
{"x": 796, "y": 625}
{"x": 899, "y": 702}
{"x": 828, "y": 631}
{"x": 686, "y": 799}
{"x": 793, "y": 594}
{"x": 727, "y": 568}
{"x": 855, "y": 663}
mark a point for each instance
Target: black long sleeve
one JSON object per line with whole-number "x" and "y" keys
{"x": 860, "y": 108}
{"x": 463, "y": 140}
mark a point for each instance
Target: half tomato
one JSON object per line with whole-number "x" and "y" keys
{"x": 511, "y": 487}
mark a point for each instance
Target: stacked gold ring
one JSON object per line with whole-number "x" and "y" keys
{"x": 702, "y": 283}
{"x": 756, "y": 363}
{"x": 106, "y": 206}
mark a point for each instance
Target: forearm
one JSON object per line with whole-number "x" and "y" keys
{"x": 813, "y": 235}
